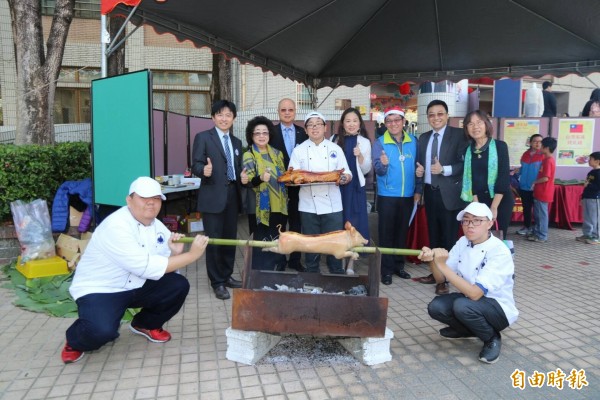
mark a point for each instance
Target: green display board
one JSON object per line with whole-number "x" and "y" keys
{"x": 121, "y": 134}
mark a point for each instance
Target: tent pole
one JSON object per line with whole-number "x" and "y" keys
{"x": 103, "y": 41}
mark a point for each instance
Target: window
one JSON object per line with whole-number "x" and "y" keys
{"x": 182, "y": 102}
{"x": 72, "y": 106}
{"x": 304, "y": 96}
{"x": 343, "y": 104}
{"x": 169, "y": 95}
{"x": 181, "y": 78}
{"x": 83, "y": 8}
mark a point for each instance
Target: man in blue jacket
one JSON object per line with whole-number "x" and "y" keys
{"x": 394, "y": 159}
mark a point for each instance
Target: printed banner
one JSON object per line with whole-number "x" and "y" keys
{"x": 575, "y": 142}
{"x": 516, "y": 135}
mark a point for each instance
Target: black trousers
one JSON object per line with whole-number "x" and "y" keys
{"x": 505, "y": 209}
{"x": 223, "y": 225}
{"x": 442, "y": 225}
{"x": 484, "y": 317}
{"x": 527, "y": 199}
{"x": 100, "y": 313}
{"x": 266, "y": 260}
{"x": 394, "y": 215}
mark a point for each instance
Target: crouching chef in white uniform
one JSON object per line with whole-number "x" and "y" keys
{"x": 129, "y": 263}
{"x": 481, "y": 268}
{"x": 320, "y": 205}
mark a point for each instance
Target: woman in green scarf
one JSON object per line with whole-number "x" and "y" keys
{"x": 262, "y": 164}
{"x": 486, "y": 176}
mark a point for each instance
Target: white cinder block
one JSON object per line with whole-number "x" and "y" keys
{"x": 370, "y": 351}
{"x": 247, "y": 347}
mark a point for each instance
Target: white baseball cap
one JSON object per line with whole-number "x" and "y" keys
{"x": 314, "y": 114}
{"x": 146, "y": 187}
{"x": 476, "y": 209}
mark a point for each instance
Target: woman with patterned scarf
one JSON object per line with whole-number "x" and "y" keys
{"x": 262, "y": 164}
{"x": 486, "y": 176}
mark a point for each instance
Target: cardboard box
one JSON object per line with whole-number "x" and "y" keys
{"x": 193, "y": 223}
{"x": 74, "y": 216}
{"x": 71, "y": 249}
{"x": 40, "y": 268}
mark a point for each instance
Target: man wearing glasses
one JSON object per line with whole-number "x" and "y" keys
{"x": 287, "y": 136}
{"x": 320, "y": 205}
{"x": 481, "y": 268}
{"x": 440, "y": 164}
{"x": 394, "y": 160}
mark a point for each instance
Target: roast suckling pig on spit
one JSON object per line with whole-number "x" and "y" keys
{"x": 336, "y": 243}
{"x": 299, "y": 176}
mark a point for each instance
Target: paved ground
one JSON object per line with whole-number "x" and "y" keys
{"x": 558, "y": 328}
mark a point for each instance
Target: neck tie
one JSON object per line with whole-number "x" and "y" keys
{"x": 434, "y": 155}
{"x": 289, "y": 140}
{"x": 230, "y": 174}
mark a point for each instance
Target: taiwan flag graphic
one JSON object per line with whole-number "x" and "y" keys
{"x": 576, "y": 128}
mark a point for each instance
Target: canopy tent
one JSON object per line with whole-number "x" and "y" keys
{"x": 334, "y": 42}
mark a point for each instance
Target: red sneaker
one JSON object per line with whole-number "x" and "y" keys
{"x": 154, "y": 335}
{"x": 70, "y": 355}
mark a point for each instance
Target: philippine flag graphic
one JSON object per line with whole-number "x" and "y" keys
{"x": 576, "y": 128}
{"x": 510, "y": 124}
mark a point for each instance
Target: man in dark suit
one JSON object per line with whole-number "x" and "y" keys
{"x": 217, "y": 160}
{"x": 287, "y": 136}
{"x": 440, "y": 163}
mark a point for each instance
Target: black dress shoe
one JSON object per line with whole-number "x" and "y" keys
{"x": 403, "y": 274}
{"x": 386, "y": 279}
{"x": 221, "y": 292}
{"x": 233, "y": 283}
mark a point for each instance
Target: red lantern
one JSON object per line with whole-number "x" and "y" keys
{"x": 405, "y": 89}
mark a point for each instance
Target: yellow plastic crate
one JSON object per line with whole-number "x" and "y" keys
{"x": 46, "y": 267}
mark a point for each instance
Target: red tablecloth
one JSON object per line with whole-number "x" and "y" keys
{"x": 565, "y": 209}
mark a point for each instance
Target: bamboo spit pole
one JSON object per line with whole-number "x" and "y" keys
{"x": 260, "y": 243}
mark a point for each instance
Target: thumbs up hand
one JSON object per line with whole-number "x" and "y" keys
{"x": 420, "y": 171}
{"x": 244, "y": 177}
{"x": 356, "y": 151}
{"x": 208, "y": 168}
{"x": 384, "y": 158}
{"x": 266, "y": 176}
{"x": 436, "y": 167}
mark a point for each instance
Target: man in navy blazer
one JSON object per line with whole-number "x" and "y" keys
{"x": 217, "y": 160}
{"x": 284, "y": 143}
{"x": 442, "y": 179}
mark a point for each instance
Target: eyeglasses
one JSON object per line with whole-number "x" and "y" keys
{"x": 438, "y": 115}
{"x": 260, "y": 133}
{"x": 286, "y": 110}
{"x": 475, "y": 123}
{"x": 474, "y": 222}
{"x": 313, "y": 126}
{"x": 394, "y": 121}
